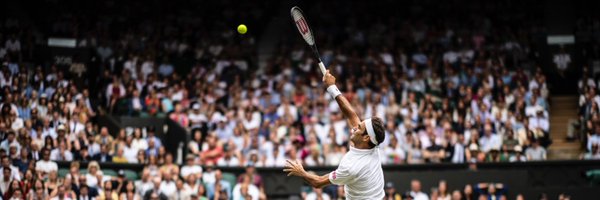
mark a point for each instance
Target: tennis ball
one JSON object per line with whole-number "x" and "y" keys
{"x": 242, "y": 29}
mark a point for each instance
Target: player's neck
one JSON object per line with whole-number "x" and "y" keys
{"x": 360, "y": 146}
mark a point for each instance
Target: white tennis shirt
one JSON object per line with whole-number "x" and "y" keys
{"x": 361, "y": 174}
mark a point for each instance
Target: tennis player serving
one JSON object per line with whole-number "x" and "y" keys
{"x": 360, "y": 169}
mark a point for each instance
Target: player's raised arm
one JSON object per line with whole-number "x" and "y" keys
{"x": 344, "y": 104}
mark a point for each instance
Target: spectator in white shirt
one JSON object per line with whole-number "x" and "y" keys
{"x": 415, "y": 191}
{"x": 104, "y": 51}
{"x": 61, "y": 153}
{"x": 518, "y": 156}
{"x": 594, "y": 139}
{"x": 46, "y": 165}
{"x": 190, "y": 167}
{"x": 129, "y": 151}
{"x": 246, "y": 190}
{"x": 13, "y": 45}
{"x": 287, "y": 109}
{"x": 5, "y": 180}
{"x": 6, "y": 163}
{"x": 489, "y": 140}
{"x": 147, "y": 67}
{"x": 167, "y": 186}
{"x": 539, "y": 121}
{"x": 145, "y": 183}
{"x": 10, "y": 141}
{"x": 166, "y": 68}
{"x": 136, "y": 103}
{"x": 196, "y": 117}
{"x": 562, "y": 61}
{"x": 230, "y": 159}
{"x": 192, "y": 184}
{"x": 451, "y": 57}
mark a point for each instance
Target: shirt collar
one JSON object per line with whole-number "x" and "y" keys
{"x": 361, "y": 151}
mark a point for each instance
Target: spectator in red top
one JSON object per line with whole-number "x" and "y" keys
{"x": 152, "y": 103}
{"x": 214, "y": 151}
{"x": 180, "y": 116}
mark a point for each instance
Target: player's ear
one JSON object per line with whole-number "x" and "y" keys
{"x": 366, "y": 138}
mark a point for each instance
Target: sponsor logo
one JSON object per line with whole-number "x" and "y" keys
{"x": 333, "y": 176}
{"x": 302, "y": 26}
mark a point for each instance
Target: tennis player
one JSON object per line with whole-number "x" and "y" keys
{"x": 360, "y": 169}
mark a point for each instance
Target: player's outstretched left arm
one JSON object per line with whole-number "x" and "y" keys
{"x": 345, "y": 106}
{"x": 294, "y": 168}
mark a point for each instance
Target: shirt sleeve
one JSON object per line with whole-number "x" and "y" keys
{"x": 341, "y": 176}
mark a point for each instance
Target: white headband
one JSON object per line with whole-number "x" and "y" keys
{"x": 371, "y": 131}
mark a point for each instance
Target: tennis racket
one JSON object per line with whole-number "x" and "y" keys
{"x": 307, "y": 34}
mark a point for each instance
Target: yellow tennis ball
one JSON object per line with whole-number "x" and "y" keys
{"x": 242, "y": 29}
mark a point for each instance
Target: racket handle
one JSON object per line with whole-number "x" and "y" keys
{"x": 322, "y": 67}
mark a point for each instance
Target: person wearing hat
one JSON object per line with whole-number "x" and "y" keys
{"x": 539, "y": 120}
{"x": 197, "y": 118}
{"x": 517, "y": 155}
{"x": 390, "y": 192}
{"x": 120, "y": 181}
{"x": 190, "y": 167}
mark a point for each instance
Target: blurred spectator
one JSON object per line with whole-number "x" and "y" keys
{"x": 61, "y": 153}
{"x": 535, "y": 152}
{"x": 218, "y": 186}
{"x": 94, "y": 175}
{"x": 6, "y": 163}
{"x": 213, "y": 152}
{"x": 390, "y": 192}
{"x": 415, "y": 190}
{"x": 46, "y": 165}
{"x": 155, "y": 192}
{"x": 190, "y": 167}
{"x": 490, "y": 190}
{"x": 562, "y": 61}
{"x": 518, "y": 156}
{"x": 443, "y": 193}
{"x": 245, "y": 189}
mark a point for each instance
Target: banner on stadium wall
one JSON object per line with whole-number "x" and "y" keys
{"x": 64, "y": 51}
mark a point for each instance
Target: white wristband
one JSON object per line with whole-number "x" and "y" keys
{"x": 333, "y": 91}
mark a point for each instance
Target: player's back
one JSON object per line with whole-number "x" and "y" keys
{"x": 360, "y": 171}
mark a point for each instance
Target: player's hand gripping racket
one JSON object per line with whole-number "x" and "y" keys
{"x": 307, "y": 34}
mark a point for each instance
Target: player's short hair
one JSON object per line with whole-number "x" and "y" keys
{"x": 379, "y": 129}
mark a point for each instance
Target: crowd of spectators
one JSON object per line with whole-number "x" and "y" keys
{"x": 441, "y": 191}
{"x": 48, "y": 111}
{"x": 587, "y": 127}
{"x": 449, "y": 90}
{"x": 451, "y": 93}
